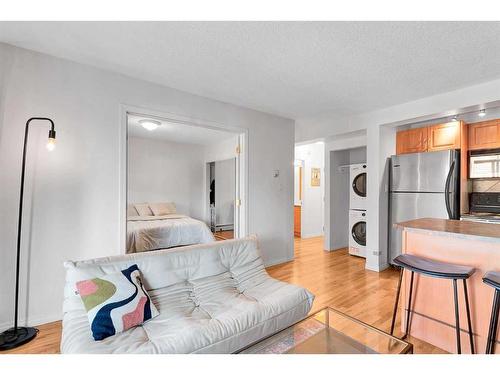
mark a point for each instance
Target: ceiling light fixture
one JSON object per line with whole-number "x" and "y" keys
{"x": 455, "y": 118}
{"x": 149, "y": 124}
{"x": 482, "y": 113}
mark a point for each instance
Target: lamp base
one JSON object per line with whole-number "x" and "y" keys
{"x": 12, "y": 338}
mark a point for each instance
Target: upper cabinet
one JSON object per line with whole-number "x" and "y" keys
{"x": 437, "y": 137}
{"x": 484, "y": 135}
{"x": 444, "y": 136}
{"x": 411, "y": 140}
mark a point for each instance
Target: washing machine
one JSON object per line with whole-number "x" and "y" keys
{"x": 357, "y": 233}
{"x": 357, "y": 194}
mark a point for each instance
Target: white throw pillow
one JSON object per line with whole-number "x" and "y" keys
{"x": 116, "y": 302}
{"x": 160, "y": 209}
{"x": 143, "y": 209}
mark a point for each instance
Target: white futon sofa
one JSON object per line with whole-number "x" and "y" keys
{"x": 212, "y": 298}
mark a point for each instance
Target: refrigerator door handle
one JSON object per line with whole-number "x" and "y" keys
{"x": 447, "y": 190}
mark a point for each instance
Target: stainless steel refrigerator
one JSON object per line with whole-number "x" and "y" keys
{"x": 422, "y": 185}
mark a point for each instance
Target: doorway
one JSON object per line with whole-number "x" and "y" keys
{"x": 169, "y": 164}
{"x": 298, "y": 190}
{"x": 222, "y": 200}
{"x": 346, "y": 212}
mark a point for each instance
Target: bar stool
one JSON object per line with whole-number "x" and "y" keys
{"x": 436, "y": 269}
{"x": 493, "y": 279}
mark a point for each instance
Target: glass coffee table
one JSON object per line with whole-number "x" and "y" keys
{"x": 330, "y": 332}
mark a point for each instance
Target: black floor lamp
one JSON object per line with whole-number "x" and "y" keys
{"x": 16, "y": 336}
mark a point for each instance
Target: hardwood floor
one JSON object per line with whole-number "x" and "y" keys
{"x": 336, "y": 278}
{"x": 224, "y": 235}
{"x": 47, "y": 341}
{"x": 340, "y": 280}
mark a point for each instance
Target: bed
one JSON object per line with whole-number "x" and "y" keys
{"x": 146, "y": 233}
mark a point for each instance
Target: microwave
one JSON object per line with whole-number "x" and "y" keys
{"x": 484, "y": 164}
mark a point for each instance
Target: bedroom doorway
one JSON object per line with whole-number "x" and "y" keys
{"x": 222, "y": 198}
{"x": 185, "y": 182}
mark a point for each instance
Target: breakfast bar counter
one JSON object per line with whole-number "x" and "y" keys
{"x": 454, "y": 228}
{"x": 459, "y": 242}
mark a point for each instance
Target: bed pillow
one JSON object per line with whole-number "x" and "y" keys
{"x": 116, "y": 302}
{"x": 131, "y": 211}
{"x": 143, "y": 209}
{"x": 160, "y": 209}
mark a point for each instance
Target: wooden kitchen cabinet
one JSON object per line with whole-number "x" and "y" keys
{"x": 484, "y": 135}
{"x": 411, "y": 140}
{"x": 444, "y": 136}
{"x": 439, "y": 137}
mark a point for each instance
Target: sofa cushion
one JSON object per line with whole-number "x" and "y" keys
{"x": 212, "y": 298}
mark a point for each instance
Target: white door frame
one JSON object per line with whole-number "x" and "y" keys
{"x": 242, "y": 162}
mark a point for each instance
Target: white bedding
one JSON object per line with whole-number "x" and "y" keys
{"x": 146, "y": 233}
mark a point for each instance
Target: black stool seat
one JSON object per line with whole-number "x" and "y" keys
{"x": 433, "y": 268}
{"x": 492, "y": 278}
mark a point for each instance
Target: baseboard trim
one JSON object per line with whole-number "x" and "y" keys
{"x": 276, "y": 262}
{"x": 377, "y": 267}
{"x": 31, "y": 322}
{"x": 311, "y": 235}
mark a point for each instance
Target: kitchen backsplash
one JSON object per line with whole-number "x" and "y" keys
{"x": 486, "y": 185}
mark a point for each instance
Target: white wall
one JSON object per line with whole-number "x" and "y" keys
{"x": 161, "y": 171}
{"x": 312, "y": 217}
{"x": 338, "y": 229}
{"x": 380, "y": 141}
{"x": 223, "y": 150}
{"x": 76, "y": 193}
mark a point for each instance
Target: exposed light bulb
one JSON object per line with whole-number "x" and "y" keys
{"x": 149, "y": 124}
{"x": 482, "y": 113}
{"x": 455, "y": 118}
{"x": 51, "y": 144}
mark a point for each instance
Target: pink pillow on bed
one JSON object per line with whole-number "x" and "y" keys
{"x": 160, "y": 209}
{"x": 143, "y": 209}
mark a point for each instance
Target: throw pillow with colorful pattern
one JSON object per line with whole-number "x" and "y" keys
{"x": 116, "y": 302}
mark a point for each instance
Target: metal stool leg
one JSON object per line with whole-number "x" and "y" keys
{"x": 492, "y": 331}
{"x": 471, "y": 335}
{"x": 457, "y": 317}
{"x": 397, "y": 300}
{"x": 407, "y": 328}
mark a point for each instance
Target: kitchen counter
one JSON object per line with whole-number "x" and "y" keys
{"x": 459, "y": 242}
{"x": 455, "y": 228}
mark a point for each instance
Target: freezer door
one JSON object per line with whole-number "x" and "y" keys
{"x": 409, "y": 206}
{"x": 421, "y": 172}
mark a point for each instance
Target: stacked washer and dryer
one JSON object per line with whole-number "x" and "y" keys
{"x": 357, "y": 210}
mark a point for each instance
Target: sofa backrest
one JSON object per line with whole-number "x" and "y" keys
{"x": 162, "y": 268}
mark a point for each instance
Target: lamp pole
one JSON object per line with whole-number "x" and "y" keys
{"x": 16, "y": 336}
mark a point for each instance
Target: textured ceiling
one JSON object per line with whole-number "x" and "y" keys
{"x": 293, "y": 69}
